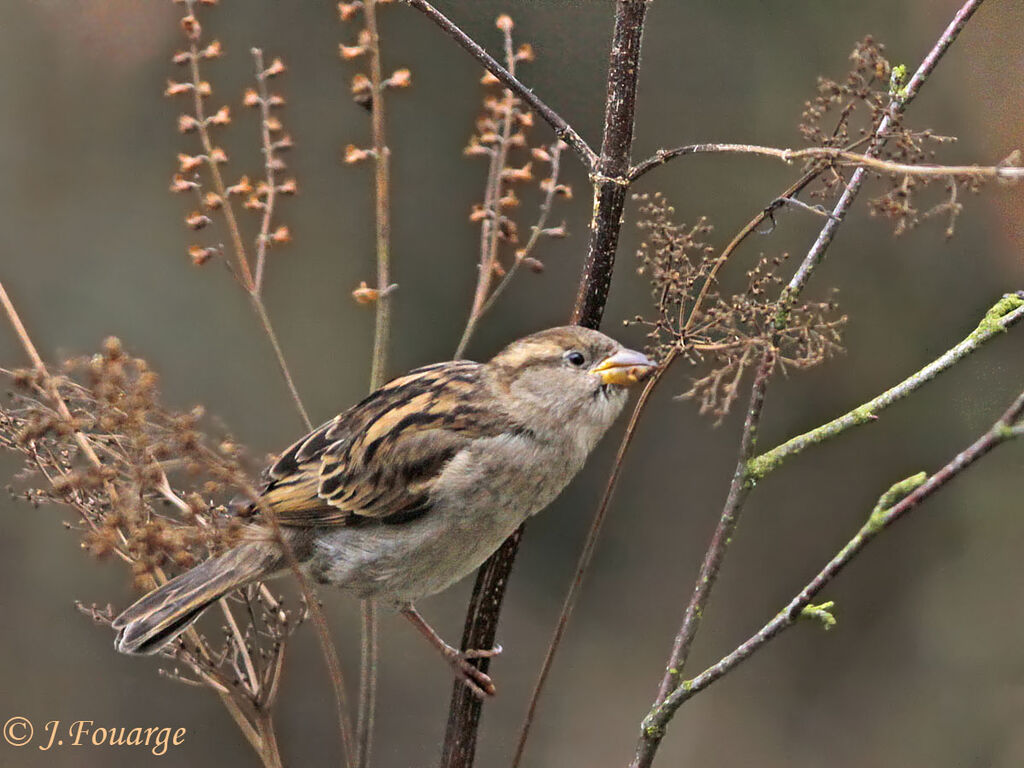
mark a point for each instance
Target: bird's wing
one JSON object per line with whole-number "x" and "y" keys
{"x": 380, "y": 459}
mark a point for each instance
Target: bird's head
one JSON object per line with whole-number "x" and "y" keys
{"x": 570, "y": 374}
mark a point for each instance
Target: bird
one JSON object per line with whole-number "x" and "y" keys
{"x": 413, "y": 488}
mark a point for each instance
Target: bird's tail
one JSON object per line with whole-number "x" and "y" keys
{"x": 158, "y": 617}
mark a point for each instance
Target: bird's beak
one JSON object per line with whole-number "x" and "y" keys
{"x": 625, "y": 368}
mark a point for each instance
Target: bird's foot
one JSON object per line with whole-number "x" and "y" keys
{"x": 478, "y": 681}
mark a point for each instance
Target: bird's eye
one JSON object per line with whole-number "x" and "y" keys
{"x": 575, "y": 358}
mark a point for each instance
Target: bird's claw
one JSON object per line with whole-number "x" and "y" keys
{"x": 478, "y": 681}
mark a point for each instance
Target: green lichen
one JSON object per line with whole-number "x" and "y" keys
{"x": 990, "y": 324}
{"x": 759, "y": 466}
{"x": 895, "y": 494}
{"x": 822, "y": 613}
{"x": 898, "y": 82}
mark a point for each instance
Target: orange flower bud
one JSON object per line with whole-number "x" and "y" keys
{"x": 364, "y": 294}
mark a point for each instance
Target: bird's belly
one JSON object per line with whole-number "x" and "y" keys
{"x": 475, "y": 512}
{"x": 403, "y": 562}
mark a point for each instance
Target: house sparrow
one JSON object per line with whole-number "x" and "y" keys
{"x": 412, "y": 489}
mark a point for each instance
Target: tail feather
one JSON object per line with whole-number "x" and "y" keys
{"x": 158, "y": 617}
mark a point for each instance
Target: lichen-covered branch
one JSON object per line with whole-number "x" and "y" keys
{"x": 1005, "y": 313}
{"x": 894, "y": 504}
{"x": 1003, "y": 172}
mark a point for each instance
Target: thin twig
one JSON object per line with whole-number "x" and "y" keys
{"x": 1007, "y": 312}
{"x": 269, "y": 171}
{"x": 835, "y": 155}
{"x": 282, "y": 364}
{"x": 242, "y": 269}
{"x": 900, "y": 499}
{"x": 382, "y": 207}
{"x": 562, "y": 129}
{"x": 609, "y": 197}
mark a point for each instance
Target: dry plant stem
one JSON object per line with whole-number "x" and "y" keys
{"x": 382, "y": 209}
{"x": 268, "y": 329}
{"x": 269, "y": 171}
{"x": 740, "y": 485}
{"x": 241, "y": 263}
{"x": 323, "y": 632}
{"x": 242, "y": 270}
{"x": 562, "y": 129}
{"x": 490, "y": 231}
{"x": 535, "y": 235}
{"x": 609, "y": 175}
{"x": 369, "y": 656}
{"x": 609, "y": 197}
{"x": 894, "y": 504}
{"x": 586, "y": 554}
{"x": 1005, "y": 314}
{"x": 259, "y": 739}
{"x": 839, "y": 156}
{"x": 369, "y": 624}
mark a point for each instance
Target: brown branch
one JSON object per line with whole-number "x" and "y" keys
{"x": 897, "y": 502}
{"x": 609, "y": 197}
{"x": 836, "y": 155}
{"x": 562, "y": 129}
{"x": 609, "y": 175}
{"x": 739, "y": 488}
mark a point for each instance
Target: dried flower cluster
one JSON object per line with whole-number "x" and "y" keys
{"x": 730, "y": 333}
{"x": 213, "y": 194}
{"x": 501, "y": 136}
{"x": 858, "y": 104}
{"x": 113, "y": 463}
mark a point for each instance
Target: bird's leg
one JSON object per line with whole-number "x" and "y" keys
{"x": 477, "y": 680}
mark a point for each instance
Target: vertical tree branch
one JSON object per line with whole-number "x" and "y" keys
{"x": 610, "y": 176}
{"x": 610, "y": 187}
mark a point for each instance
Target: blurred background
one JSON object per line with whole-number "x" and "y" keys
{"x": 925, "y": 667}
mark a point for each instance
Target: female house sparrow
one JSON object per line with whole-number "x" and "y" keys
{"x": 412, "y": 489}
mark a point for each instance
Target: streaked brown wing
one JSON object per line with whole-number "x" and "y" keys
{"x": 380, "y": 458}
